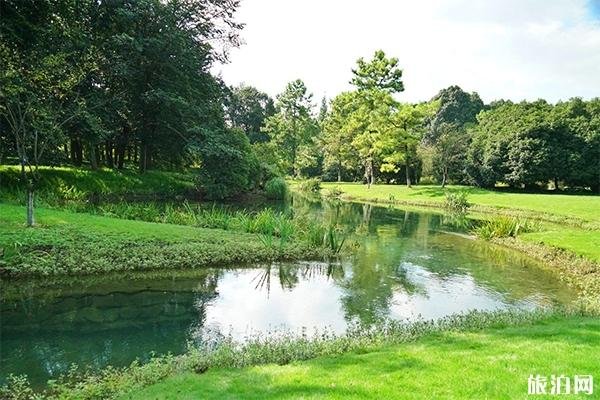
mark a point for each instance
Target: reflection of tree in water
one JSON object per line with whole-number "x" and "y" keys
{"x": 44, "y": 336}
{"x": 377, "y": 265}
{"x": 289, "y": 274}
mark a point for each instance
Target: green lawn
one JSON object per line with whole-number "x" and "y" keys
{"x": 489, "y": 364}
{"x": 76, "y": 243}
{"x": 61, "y": 181}
{"x": 585, "y": 207}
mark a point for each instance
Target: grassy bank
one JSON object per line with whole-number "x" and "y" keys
{"x": 583, "y": 207}
{"x": 66, "y": 183}
{"x": 572, "y": 222}
{"x": 494, "y": 363}
{"x": 477, "y": 355}
{"x": 78, "y": 243}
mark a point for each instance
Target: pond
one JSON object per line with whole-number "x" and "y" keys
{"x": 404, "y": 265}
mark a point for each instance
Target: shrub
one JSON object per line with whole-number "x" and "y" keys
{"x": 457, "y": 202}
{"x": 312, "y": 185}
{"x": 276, "y": 188}
{"x": 334, "y": 192}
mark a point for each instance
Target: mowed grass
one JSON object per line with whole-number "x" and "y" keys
{"x": 489, "y": 364}
{"x": 585, "y": 243}
{"x": 59, "y": 180}
{"x": 65, "y": 243}
{"x": 585, "y": 207}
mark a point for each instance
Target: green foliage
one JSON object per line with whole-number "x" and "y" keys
{"x": 456, "y": 108}
{"x": 247, "y": 109}
{"x": 334, "y": 192}
{"x": 293, "y": 129}
{"x": 276, "y": 188}
{"x": 501, "y": 227}
{"x": 312, "y": 185}
{"x": 457, "y": 202}
{"x": 529, "y": 144}
{"x": 380, "y": 73}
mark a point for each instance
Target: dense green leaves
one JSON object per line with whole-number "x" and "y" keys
{"x": 121, "y": 82}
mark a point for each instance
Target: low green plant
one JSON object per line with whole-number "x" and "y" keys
{"x": 457, "y": 202}
{"x": 334, "y": 193}
{"x": 276, "y": 188}
{"x": 311, "y": 185}
{"x": 501, "y": 227}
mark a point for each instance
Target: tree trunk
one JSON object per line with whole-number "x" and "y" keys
{"x": 144, "y": 158}
{"x": 369, "y": 172}
{"x": 444, "y": 177}
{"x": 109, "y": 154}
{"x": 555, "y": 184}
{"x": 408, "y": 183}
{"x": 30, "y": 216}
{"x": 76, "y": 152}
{"x": 93, "y": 158}
{"x": 339, "y": 174}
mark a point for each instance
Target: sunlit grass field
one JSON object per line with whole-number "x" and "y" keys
{"x": 586, "y": 207}
{"x": 490, "y": 364}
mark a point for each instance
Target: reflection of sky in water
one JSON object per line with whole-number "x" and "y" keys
{"x": 403, "y": 269}
{"x": 241, "y": 307}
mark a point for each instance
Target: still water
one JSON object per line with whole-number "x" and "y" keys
{"x": 405, "y": 265}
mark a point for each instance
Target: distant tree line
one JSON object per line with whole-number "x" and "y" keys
{"x": 367, "y": 135}
{"x": 127, "y": 84}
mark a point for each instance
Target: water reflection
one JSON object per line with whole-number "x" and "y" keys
{"x": 406, "y": 265}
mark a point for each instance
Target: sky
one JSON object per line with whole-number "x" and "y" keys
{"x": 510, "y": 49}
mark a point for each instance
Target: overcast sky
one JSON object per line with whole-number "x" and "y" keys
{"x": 512, "y": 49}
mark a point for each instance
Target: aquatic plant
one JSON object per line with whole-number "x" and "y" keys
{"x": 334, "y": 192}
{"x": 501, "y": 227}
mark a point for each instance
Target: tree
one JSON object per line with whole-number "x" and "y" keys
{"x": 247, "y": 109}
{"x": 376, "y": 82}
{"x": 456, "y": 107}
{"x": 381, "y": 73}
{"x": 449, "y": 151}
{"x": 337, "y": 135}
{"x": 38, "y": 81}
{"x": 293, "y": 127}
{"x": 398, "y": 143}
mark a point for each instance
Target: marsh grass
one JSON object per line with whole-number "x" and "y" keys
{"x": 502, "y": 227}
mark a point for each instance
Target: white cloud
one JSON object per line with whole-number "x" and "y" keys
{"x": 513, "y": 49}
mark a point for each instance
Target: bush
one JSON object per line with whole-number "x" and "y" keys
{"x": 334, "y": 192}
{"x": 312, "y": 185}
{"x": 457, "y": 202}
{"x": 276, "y": 188}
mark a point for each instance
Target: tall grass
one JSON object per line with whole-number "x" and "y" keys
{"x": 499, "y": 227}
{"x": 276, "y": 229}
{"x": 276, "y": 188}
